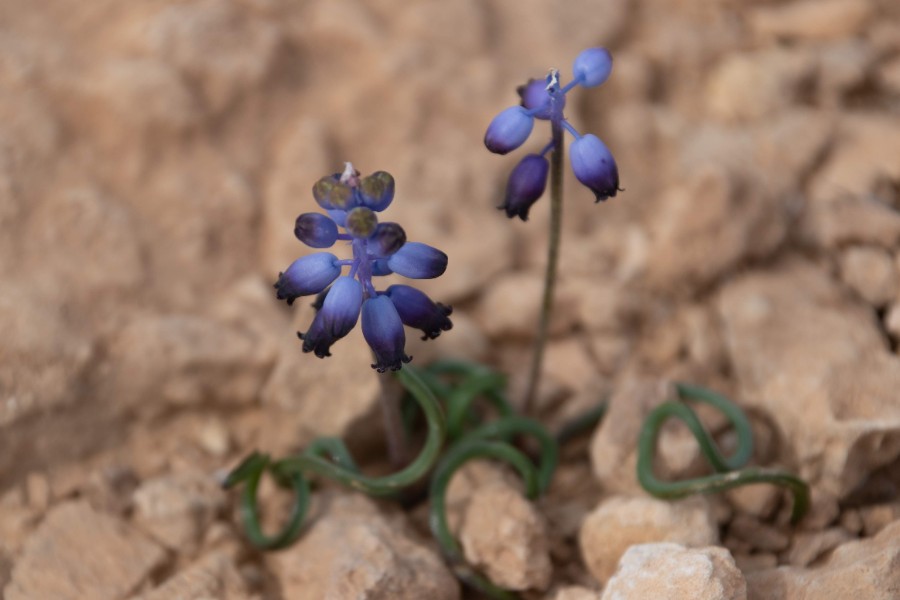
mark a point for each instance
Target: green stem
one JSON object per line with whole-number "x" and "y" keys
{"x": 308, "y": 463}
{"x": 727, "y": 476}
{"x": 456, "y": 456}
{"x": 556, "y": 192}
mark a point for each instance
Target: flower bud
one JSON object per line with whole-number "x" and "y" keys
{"x": 594, "y": 166}
{"x": 361, "y": 222}
{"x": 387, "y": 239}
{"x": 383, "y": 331}
{"x": 508, "y": 130}
{"x": 592, "y": 67}
{"x": 316, "y": 230}
{"x": 418, "y": 261}
{"x": 525, "y": 186}
{"x": 377, "y": 190}
{"x": 534, "y": 95}
{"x": 330, "y": 192}
{"x": 307, "y": 275}
{"x": 417, "y": 310}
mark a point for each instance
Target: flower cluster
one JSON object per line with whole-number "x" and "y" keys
{"x": 592, "y": 161}
{"x": 378, "y": 249}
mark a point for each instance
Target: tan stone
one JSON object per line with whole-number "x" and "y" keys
{"x": 71, "y": 553}
{"x": 505, "y": 536}
{"x": 619, "y": 522}
{"x": 845, "y": 219}
{"x": 860, "y": 569}
{"x": 352, "y": 550}
{"x": 574, "y": 592}
{"x": 807, "y": 547}
{"x": 825, "y": 378}
{"x": 614, "y": 445}
{"x": 187, "y": 360}
{"x": 177, "y": 509}
{"x": 870, "y": 272}
{"x": 510, "y": 307}
{"x": 667, "y": 570}
{"x": 811, "y": 19}
{"x": 748, "y": 86}
{"x": 214, "y": 576}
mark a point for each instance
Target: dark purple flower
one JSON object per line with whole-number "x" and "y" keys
{"x": 592, "y": 161}
{"x": 378, "y": 249}
{"x": 383, "y": 330}
{"x": 335, "y": 318}
{"x": 594, "y": 166}
{"x": 418, "y": 261}
{"x": 525, "y": 186}
{"x": 308, "y": 275}
{"x": 417, "y": 310}
{"x": 508, "y": 130}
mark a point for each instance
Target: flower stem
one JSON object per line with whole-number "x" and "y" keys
{"x": 397, "y": 441}
{"x": 556, "y": 191}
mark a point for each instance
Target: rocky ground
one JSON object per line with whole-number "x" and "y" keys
{"x": 153, "y": 157}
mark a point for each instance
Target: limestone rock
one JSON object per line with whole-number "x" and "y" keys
{"x": 574, "y": 592}
{"x": 826, "y": 378}
{"x": 620, "y": 522}
{"x": 706, "y": 226}
{"x": 614, "y": 445}
{"x": 752, "y": 85}
{"x": 842, "y": 220}
{"x": 870, "y": 272}
{"x": 177, "y": 509}
{"x": 672, "y": 571}
{"x": 352, "y": 550}
{"x": 811, "y": 19}
{"x": 79, "y": 553}
{"x": 510, "y": 307}
{"x": 503, "y": 535}
{"x": 860, "y": 569}
{"x": 214, "y": 576}
{"x": 182, "y": 359}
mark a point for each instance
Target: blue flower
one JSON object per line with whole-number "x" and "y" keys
{"x": 592, "y": 162}
{"x": 378, "y": 249}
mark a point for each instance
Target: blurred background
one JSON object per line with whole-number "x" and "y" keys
{"x": 154, "y": 155}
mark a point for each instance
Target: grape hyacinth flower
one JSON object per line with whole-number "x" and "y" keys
{"x": 592, "y": 161}
{"x": 378, "y": 249}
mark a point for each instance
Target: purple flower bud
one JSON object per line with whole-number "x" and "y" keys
{"x": 534, "y": 95}
{"x": 316, "y": 230}
{"x": 380, "y": 267}
{"x": 383, "y": 330}
{"x": 592, "y": 67}
{"x": 508, "y": 130}
{"x": 377, "y": 190}
{"x": 417, "y": 310}
{"x": 330, "y": 192}
{"x": 387, "y": 239}
{"x": 594, "y": 166}
{"x": 526, "y": 184}
{"x": 307, "y": 275}
{"x": 337, "y": 316}
{"x": 418, "y": 261}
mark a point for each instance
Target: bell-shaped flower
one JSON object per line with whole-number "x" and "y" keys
{"x": 307, "y": 275}
{"x": 592, "y": 67}
{"x": 335, "y": 318}
{"x": 383, "y": 331}
{"x": 594, "y": 166}
{"x": 418, "y": 261}
{"x": 417, "y": 310}
{"x": 525, "y": 186}
{"x": 508, "y": 130}
{"x": 316, "y": 230}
